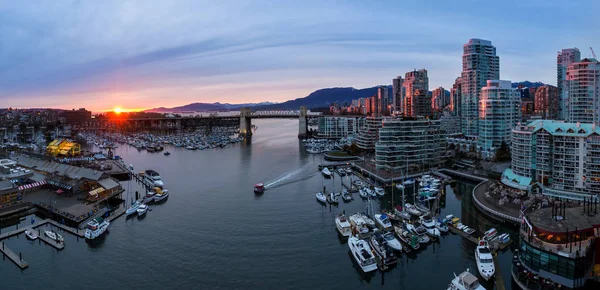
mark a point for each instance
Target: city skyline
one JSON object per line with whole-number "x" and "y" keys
{"x": 102, "y": 56}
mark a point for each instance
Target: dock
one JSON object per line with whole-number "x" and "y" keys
{"x": 499, "y": 279}
{"x": 71, "y": 230}
{"x": 23, "y": 229}
{"x": 51, "y": 242}
{"x": 17, "y": 259}
{"x": 494, "y": 246}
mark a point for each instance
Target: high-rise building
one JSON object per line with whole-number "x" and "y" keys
{"x": 563, "y": 157}
{"x": 479, "y": 64}
{"x": 583, "y": 79}
{"x": 339, "y": 127}
{"x": 564, "y": 59}
{"x": 382, "y": 100}
{"x": 369, "y": 134}
{"x": 547, "y": 102}
{"x": 455, "y": 97}
{"x": 499, "y": 113}
{"x": 416, "y": 100}
{"x": 416, "y": 144}
{"x": 439, "y": 99}
{"x": 397, "y": 95}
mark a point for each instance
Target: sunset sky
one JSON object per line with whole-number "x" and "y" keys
{"x": 146, "y": 54}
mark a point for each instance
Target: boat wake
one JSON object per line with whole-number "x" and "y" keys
{"x": 281, "y": 180}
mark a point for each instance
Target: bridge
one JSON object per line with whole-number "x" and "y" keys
{"x": 243, "y": 119}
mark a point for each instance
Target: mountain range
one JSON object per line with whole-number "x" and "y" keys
{"x": 200, "y": 107}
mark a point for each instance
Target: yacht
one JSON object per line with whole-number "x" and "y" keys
{"x": 392, "y": 241}
{"x": 142, "y": 209}
{"x": 383, "y": 221}
{"x": 96, "y": 228}
{"x": 442, "y": 227}
{"x": 411, "y": 209}
{"x": 381, "y": 249}
{"x": 484, "y": 259}
{"x": 346, "y": 196}
{"x": 417, "y": 229}
{"x": 343, "y": 225}
{"x": 132, "y": 208}
{"x": 429, "y": 224}
{"x": 359, "y": 224}
{"x": 31, "y": 235}
{"x": 153, "y": 177}
{"x": 54, "y": 236}
{"x": 379, "y": 191}
{"x": 368, "y": 221}
{"x": 326, "y": 172}
{"x": 259, "y": 188}
{"x": 161, "y": 195}
{"x": 407, "y": 238}
{"x": 321, "y": 197}
{"x": 362, "y": 254}
{"x": 465, "y": 281}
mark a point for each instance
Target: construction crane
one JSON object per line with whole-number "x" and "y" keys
{"x": 593, "y": 54}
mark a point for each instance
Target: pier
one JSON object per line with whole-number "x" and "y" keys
{"x": 51, "y": 242}
{"x": 17, "y": 259}
{"x": 499, "y": 279}
{"x": 495, "y": 246}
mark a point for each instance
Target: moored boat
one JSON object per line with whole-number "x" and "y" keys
{"x": 161, "y": 195}
{"x": 383, "y": 221}
{"x": 409, "y": 240}
{"x": 484, "y": 259}
{"x": 362, "y": 253}
{"x": 96, "y": 228}
{"x": 326, "y": 172}
{"x": 142, "y": 209}
{"x": 381, "y": 249}
{"x": 31, "y": 235}
{"x": 132, "y": 209}
{"x": 392, "y": 241}
{"x": 465, "y": 281}
{"x": 343, "y": 225}
{"x": 379, "y": 191}
{"x": 332, "y": 198}
{"x": 321, "y": 197}
{"x": 417, "y": 229}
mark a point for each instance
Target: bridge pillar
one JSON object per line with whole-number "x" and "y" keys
{"x": 302, "y": 122}
{"x": 245, "y": 122}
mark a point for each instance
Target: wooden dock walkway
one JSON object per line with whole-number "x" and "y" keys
{"x": 23, "y": 229}
{"x": 13, "y": 256}
{"x": 499, "y": 280}
{"x": 494, "y": 246}
{"x": 71, "y": 230}
{"x": 45, "y": 239}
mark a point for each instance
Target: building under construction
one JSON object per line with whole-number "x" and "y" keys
{"x": 62, "y": 148}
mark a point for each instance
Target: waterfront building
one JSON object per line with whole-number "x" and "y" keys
{"x": 479, "y": 64}
{"x": 339, "y": 127}
{"x": 547, "y": 102}
{"x": 563, "y": 158}
{"x": 449, "y": 124}
{"x": 455, "y": 97}
{"x": 418, "y": 143}
{"x": 416, "y": 101}
{"x": 583, "y": 79}
{"x": 499, "y": 112}
{"x": 560, "y": 245}
{"x": 369, "y": 134}
{"x": 564, "y": 59}
{"x": 439, "y": 99}
{"x": 398, "y": 94}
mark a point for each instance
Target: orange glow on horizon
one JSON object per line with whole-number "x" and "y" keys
{"x": 118, "y": 110}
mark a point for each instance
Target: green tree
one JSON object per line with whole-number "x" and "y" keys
{"x": 503, "y": 153}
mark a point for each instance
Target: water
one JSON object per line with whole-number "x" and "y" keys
{"x": 214, "y": 233}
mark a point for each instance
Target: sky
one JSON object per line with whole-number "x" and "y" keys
{"x": 146, "y": 54}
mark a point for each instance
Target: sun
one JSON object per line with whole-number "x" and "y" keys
{"x": 118, "y": 110}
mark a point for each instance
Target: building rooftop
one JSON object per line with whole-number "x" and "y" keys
{"x": 560, "y": 128}
{"x": 514, "y": 180}
{"x": 573, "y": 218}
{"x": 68, "y": 171}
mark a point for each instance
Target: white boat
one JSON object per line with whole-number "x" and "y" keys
{"x": 362, "y": 253}
{"x": 465, "y": 281}
{"x": 142, "y": 209}
{"x": 321, "y": 197}
{"x": 149, "y": 196}
{"x": 343, "y": 225}
{"x": 490, "y": 234}
{"x": 31, "y": 235}
{"x": 409, "y": 181}
{"x": 51, "y": 235}
{"x": 392, "y": 241}
{"x": 429, "y": 224}
{"x": 383, "y": 221}
{"x": 132, "y": 209}
{"x": 442, "y": 227}
{"x": 382, "y": 249}
{"x": 96, "y": 228}
{"x": 417, "y": 229}
{"x": 153, "y": 177}
{"x": 368, "y": 221}
{"x": 161, "y": 195}
{"x": 399, "y": 186}
{"x": 332, "y": 198}
{"x": 379, "y": 191}
{"x": 346, "y": 196}
{"x": 371, "y": 192}
{"x": 359, "y": 223}
{"x": 468, "y": 230}
{"x": 326, "y": 172}
{"x": 504, "y": 238}
{"x": 363, "y": 193}
{"x": 410, "y": 241}
{"x": 411, "y": 209}
{"x": 485, "y": 261}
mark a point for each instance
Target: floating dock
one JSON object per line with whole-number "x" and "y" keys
{"x": 495, "y": 246}
{"x": 71, "y": 230}
{"x": 17, "y": 259}
{"x": 51, "y": 242}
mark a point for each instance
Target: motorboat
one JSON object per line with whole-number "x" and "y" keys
{"x": 357, "y": 182}
{"x": 392, "y": 241}
{"x": 153, "y": 177}
{"x": 343, "y": 225}
{"x": 259, "y": 188}
{"x": 411, "y": 209}
{"x": 399, "y": 186}
{"x": 490, "y": 234}
{"x": 54, "y": 236}
{"x": 321, "y": 197}
{"x": 504, "y": 238}
{"x": 409, "y": 240}
{"x": 368, "y": 221}
{"x": 149, "y": 196}
{"x": 423, "y": 209}
{"x": 142, "y": 209}
{"x": 31, "y": 235}
{"x": 326, "y": 172}
{"x": 485, "y": 260}
{"x": 359, "y": 224}
{"x": 96, "y": 228}
{"x": 332, "y": 198}
{"x": 465, "y": 281}
{"x": 383, "y": 221}
{"x": 348, "y": 170}
{"x": 167, "y": 153}
{"x": 361, "y": 251}
{"x": 468, "y": 230}
{"x": 417, "y": 229}
{"x": 429, "y": 224}
{"x": 442, "y": 227}
{"x": 346, "y": 196}
{"x": 341, "y": 171}
{"x": 460, "y": 226}
{"x": 379, "y": 191}
{"x": 132, "y": 209}
{"x": 381, "y": 249}
{"x": 363, "y": 193}
{"x": 161, "y": 195}
{"x": 401, "y": 213}
{"x": 409, "y": 181}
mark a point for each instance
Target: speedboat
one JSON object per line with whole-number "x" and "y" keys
{"x": 321, "y": 197}
{"x": 411, "y": 209}
{"x": 348, "y": 170}
{"x": 379, "y": 191}
{"x": 400, "y": 213}
{"x": 417, "y": 229}
{"x": 357, "y": 182}
{"x": 332, "y": 198}
{"x": 381, "y": 249}
{"x": 392, "y": 241}
{"x": 343, "y": 225}
{"x": 51, "y": 235}
{"x": 96, "y": 228}
{"x": 31, "y": 235}
{"x": 484, "y": 259}
{"x": 363, "y": 193}
{"x": 371, "y": 192}
{"x": 468, "y": 230}
{"x": 465, "y": 281}
{"x": 399, "y": 186}
{"x": 409, "y": 181}
{"x": 368, "y": 221}
{"x": 490, "y": 234}
{"x": 383, "y": 221}
{"x": 410, "y": 240}
{"x": 442, "y": 227}
{"x": 361, "y": 251}
{"x": 326, "y": 172}
{"x": 346, "y": 196}
{"x": 504, "y": 238}
{"x": 259, "y": 188}
{"x": 132, "y": 208}
{"x": 142, "y": 209}
{"x": 161, "y": 195}
{"x": 428, "y": 223}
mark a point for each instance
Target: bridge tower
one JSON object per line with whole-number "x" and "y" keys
{"x": 245, "y": 122}
{"x": 302, "y": 122}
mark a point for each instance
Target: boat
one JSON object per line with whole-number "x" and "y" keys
{"x": 399, "y": 186}
{"x": 490, "y": 234}
{"x": 504, "y": 238}
{"x": 96, "y": 228}
{"x": 346, "y": 196}
{"x": 321, "y": 197}
{"x": 161, "y": 195}
{"x": 468, "y": 230}
{"x": 465, "y": 281}
{"x": 361, "y": 251}
{"x": 31, "y": 235}
{"x": 149, "y": 196}
{"x": 357, "y": 182}
{"x": 51, "y": 235}
{"x": 400, "y": 213}
{"x": 368, "y": 221}
{"x": 363, "y": 193}
{"x": 383, "y": 221}
{"x": 132, "y": 208}
{"x": 370, "y": 192}
{"x": 167, "y": 153}
{"x": 409, "y": 240}
{"x": 59, "y": 238}
{"x": 142, "y": 209}
{"x": 429, "y": 224}
{"x": 326, "y": 172}
{"x": 411, "y": 209}
{"x": 392, "y": 241}
{"x": 381, "y": 249}
{"x": 153, "y": 177}
{"x": 359, "y": 224}
{"x": 259, "y": 188}
{"x": 341, "y": 171}
{"x": 343, "y": 225}
{"x": 332, "y": 198}
{"x": 409, "y": 181}
{"x": 348, "y": 170}
{"x": 485, "y": 260}
{"x": 379, "y": 191}
{"x": 442, "y": 227}
{"x": 417, "y": 229}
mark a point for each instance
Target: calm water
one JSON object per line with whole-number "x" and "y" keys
{"x": 214, "y": 233}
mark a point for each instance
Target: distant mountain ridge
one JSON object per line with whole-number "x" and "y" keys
{"x": 200, "y": 107}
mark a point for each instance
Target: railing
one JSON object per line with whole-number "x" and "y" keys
{"x": 489, "y": 210}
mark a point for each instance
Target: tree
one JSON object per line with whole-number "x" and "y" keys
{"x": 503, "y": 153}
